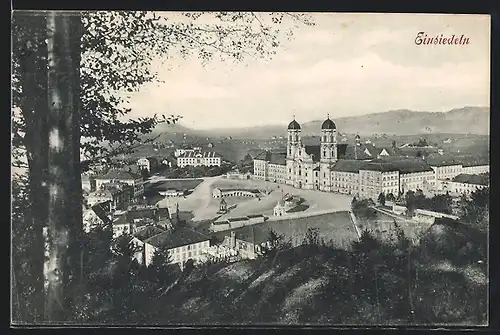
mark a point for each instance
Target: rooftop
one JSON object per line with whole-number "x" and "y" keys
{"x": 468, "y": 160}
{"x": 148, "y": 232}
{"x": 119, "y": 175}
{"x": 379, "y": 166}
{"x": 273, "y": 157}
{"x": 348, "y": 165}
{"x": 314, "y": 151}
{"x": 140, "y": 214}
{"x": 442, "y": 160}
{"x": 101, "y": 210}
{"x": 177, "y": 237}
{"x": 354, "y": 152}
{"x": 278, "y": 158}
{"x": 476, "y": 179}
{"x": 411, "y": 165}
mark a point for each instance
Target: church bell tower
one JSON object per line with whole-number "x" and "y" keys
{"x": 328, "y": 153}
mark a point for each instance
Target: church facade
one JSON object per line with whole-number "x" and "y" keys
{"x": 308, "y": 166}
{"x": 302, "y": 166}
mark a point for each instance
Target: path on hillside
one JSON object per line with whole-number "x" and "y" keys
{"x": 355, "y": 224}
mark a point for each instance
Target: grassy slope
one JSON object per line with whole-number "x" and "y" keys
{"x": 317, "y": 286}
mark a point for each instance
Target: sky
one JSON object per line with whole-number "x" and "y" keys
{"x": 344, "y": 65}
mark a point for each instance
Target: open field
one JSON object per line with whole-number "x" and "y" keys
{"x": 176, "y": 184}
{"x": 336, "y": 227}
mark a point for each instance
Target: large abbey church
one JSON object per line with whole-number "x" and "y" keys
{"x": 328, "y": 166}
{"x": 308, "y": 166}
{"x": 302, "y": 166}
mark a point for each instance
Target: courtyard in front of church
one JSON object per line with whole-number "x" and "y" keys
{"x": 204, "y": 207}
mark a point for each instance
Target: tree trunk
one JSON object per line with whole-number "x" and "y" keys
{"x": 65, "y": 224}
{"x": 30, "y": 44}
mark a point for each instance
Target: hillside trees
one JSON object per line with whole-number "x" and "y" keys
{"x": 109, "y": 54}
{"x": 410, "y": 200}
{"x": 381, "y": 199}
{"x": 476, "y": 209}
{"x": 363, "y": 210}
{"x": 160, "y": 266}
{"x": 439, "y": 203}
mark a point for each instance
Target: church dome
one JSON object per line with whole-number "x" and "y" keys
{"x": 294, "y": 125}
{"x": 328, "y": 124}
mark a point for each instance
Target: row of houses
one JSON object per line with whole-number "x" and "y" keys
{"x": 390, "y": 174}
{"x": 184, "y": 244}
{"x": 92, "y": 182}
{"x": 127, "y": 221}
{"x": 154, "y": 228}
{"x": 463, "y": 184}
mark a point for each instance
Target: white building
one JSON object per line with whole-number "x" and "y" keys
{"x": 475, "y": 169}
{"x": 199, "y": 158}
{"x": 376, "y": 178}
{"x": 121, "y": 225}
{"x": 99, "y": 196}
{"x": 285, "y": 204}
{"x": 130, "y": 178}
{"x": 182, "y": 244}
{"x": 461, "y": 184}
{"x": 414, "y": 174}
{"x": 171, "y": 193}
{"x": 282, "y": 207}
{"x": 345, "y": 176}
{"x": 270, "y": 166}
{"x": 147, "y": 163}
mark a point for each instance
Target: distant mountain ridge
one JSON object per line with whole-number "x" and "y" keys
{"x": 473, "y": 120}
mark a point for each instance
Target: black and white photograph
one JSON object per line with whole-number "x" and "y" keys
{"x": 240, "y": 169}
